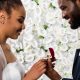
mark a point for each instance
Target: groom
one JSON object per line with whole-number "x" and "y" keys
{"x": 71, "y": 12}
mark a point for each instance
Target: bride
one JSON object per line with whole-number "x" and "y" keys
{"x": 12, "y": 16}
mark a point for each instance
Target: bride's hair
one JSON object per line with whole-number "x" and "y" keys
{"x": 7, "y": 5}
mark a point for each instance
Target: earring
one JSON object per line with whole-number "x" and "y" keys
{"x": 2, "y": 19}
{"x": 1, "y": 22}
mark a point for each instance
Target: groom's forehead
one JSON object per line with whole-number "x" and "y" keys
{"x": 66, "y": 0}
{"x": 60, "y": 2}
{"x": 63, "y": 0}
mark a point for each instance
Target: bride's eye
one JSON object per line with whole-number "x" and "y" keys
{"x": 20, "y": 21}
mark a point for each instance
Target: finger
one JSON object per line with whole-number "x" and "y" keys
{"x": 49, "y": 63}
{"x": 53, "y": 65}
{"x": 41, "y": 65}
{"x": 43, "y": 71}
{"x": 40, "y": 62}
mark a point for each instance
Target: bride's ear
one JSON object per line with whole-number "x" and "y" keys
{"x": 3, "y": 17}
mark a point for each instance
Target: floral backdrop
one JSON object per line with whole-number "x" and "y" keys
{"x": 45, "y": 28}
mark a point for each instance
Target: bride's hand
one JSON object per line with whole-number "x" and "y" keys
{"x": 36, "y": 71}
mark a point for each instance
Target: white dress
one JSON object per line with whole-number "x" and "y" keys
{"x": 11, "y": 71}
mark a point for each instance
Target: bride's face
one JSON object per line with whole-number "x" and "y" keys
{"x": 15, "y": 23}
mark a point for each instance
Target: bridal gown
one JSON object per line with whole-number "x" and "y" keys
{"x": 11, "y": 71}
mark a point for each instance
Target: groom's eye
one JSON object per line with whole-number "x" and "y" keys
{"x": 63, "y": 7}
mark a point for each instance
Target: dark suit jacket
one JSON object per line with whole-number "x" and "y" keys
{"x": 76, "y": 67}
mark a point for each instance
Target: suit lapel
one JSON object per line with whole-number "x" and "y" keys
{"x": 75, "y": 64}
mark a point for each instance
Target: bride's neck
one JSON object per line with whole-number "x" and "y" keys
{"x": 2, "y": 38}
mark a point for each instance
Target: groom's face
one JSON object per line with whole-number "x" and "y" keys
{"x": 70, "y": 12}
